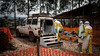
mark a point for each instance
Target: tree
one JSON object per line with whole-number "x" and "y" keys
{"x": 3, "y": 21}
{"x": 47, "y": 5}
{"x": 52, "y": 5}
{"x": 6, "y": 7}
{"x": 24, "y": 7}
{"x": 64, "y": 4}
{"x": 15, "y": 13}
{"x": 21, "y": 6}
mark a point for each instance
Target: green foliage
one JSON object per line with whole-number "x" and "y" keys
{"x": 3, "y": 21}
{"x": 33, "y": 1}
{"x": 7, "y": 6}
{"x": 64, "y": 4}
{"x": 51, "y": 1}
{"x": 22, "y": 6}
{"x": 49, "y": 5}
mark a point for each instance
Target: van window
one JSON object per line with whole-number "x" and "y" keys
{"x": 41, "y": 22}
{"x": 34, "y": 22}
{"x": 29, "y": 21}
{"x": 48, "y": 22}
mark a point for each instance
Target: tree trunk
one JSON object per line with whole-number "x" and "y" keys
{"x": 28, "y": 8}
{"x": 72, "y": 16}
{"x": 15, "y": 14}
{"x": 89, "y": 1}
{"x": 40, "y": 7}
{"x": 47, "y": 10}
{"x": 55, "y": 7}
{"x": 79, "y": 3}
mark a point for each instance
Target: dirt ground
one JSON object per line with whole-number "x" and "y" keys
{"x": 69, "y": 46}
{"x": 20, "y": 43}
{"x": 23, "y": 42}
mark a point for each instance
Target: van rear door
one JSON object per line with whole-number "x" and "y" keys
{"x": 47, "y": 26}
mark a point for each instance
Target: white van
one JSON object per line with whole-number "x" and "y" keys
{"x": 36, "y": 27}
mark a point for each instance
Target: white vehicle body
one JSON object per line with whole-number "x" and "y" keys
{"x": 39, "y": 26}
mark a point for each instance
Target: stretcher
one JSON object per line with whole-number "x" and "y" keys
{"x": 69, "y": 35}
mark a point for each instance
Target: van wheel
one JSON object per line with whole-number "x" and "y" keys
{"x": 31, "y": 36}
{"x": 18, "y": 33}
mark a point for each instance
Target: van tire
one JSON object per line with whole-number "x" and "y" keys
{"x": 18, "y": 33}
{"x": 31, "y": 36}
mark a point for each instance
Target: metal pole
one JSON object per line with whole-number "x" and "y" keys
{"x": 72, "y": 17}
{"x": 83, "y": 14}
{"x": 61, "y": 21}
{"x": 71, "y": 21}
{"x": 37, "y": 47}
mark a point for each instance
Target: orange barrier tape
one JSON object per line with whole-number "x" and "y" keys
{"x": 53, "y": 52}
{"x": 46, "y": 52}
{"x": 26, "y": 52}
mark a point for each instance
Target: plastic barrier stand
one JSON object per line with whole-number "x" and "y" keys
{"x": 6, "y": 31}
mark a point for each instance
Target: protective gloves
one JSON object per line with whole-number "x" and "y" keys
{"x": 55, "y": 30}
{"x": 78, "y": 31}
{"x": 61, "y": 29}
{"x": 83, "y": 31}
{"x": 83, "y": 38}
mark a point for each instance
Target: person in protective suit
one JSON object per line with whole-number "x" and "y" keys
{"x": 81, "y": 29}
{"x": 58, "y": 27}
{"x": 87, "y": 38}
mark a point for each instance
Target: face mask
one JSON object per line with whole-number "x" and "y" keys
{"x": 80, "y": 24}
{"x": 86, "y": 24}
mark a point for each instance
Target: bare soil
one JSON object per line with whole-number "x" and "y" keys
{"x": 69, "y": 46}
{"x": 23, "y": 42}
{"x": 20, "y": 43}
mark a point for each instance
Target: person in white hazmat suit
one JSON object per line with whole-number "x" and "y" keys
{"x": 81, "y": 29}
{"x": 58, "y": 27}
{"x": 87, "y": 38}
